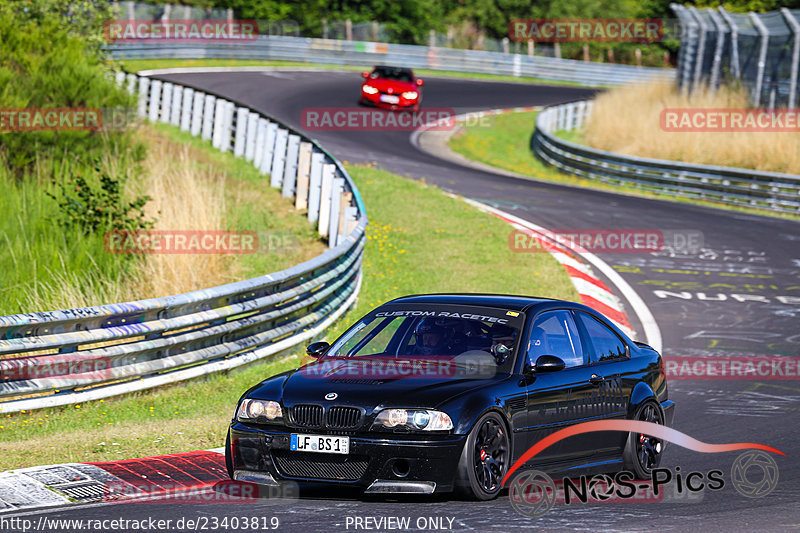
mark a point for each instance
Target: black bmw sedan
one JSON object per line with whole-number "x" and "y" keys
{"x": 443, "y": 392}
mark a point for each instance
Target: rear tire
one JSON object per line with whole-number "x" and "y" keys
{"x": 228, "y": 458}
{"x": 484, "y": 459}
{"x": 643, "y": 453}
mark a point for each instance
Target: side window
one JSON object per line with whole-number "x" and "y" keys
{"x": 555, "y": 333}
{"x": 607, "y": 344}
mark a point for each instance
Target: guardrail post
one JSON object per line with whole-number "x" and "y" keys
{"x": 323, "y": 226}
{"x": 155, "y": 101}
{"x": 166, "y": 102}
{"x": 315, "y": 186}
{"x": 187, "y": 108}
{"x": 242, "y": 116}
{"x": 333, "y": 224}
{"x": 278, "y": 158}
{"x": 762, "y": 57}
{"x": 794, "y": 25}
{"x": 120, "y": 77}
{"x": 269, "y": 148}
{"x": 177, "y": 100}
{"x": 209, "y": 113}
{"x": 290, "y": 168}
{"x": 569, "y": 119}
{"x": 303, "y": 171}
{"x": 227, "y": 127}
{"x": 250, "y": 137}
{"x": 144, "y": 89}
{"x": 260, "y": 139}
{"x": 219, "y": 120}
{"x": 516, "y": 66}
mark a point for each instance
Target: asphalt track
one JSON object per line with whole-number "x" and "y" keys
{"x": 738, "y": 295}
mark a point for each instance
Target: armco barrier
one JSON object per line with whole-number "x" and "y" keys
{"x": 97, "y": 352}
{"x": 368, "y": 53}
{"x": 728, "y": 185}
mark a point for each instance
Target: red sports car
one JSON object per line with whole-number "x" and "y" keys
{"x": 391, "y": 88}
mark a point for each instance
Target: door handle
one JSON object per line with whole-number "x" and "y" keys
{"x": 595, "y": 379}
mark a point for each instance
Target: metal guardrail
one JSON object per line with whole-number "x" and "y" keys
{"x": 728, "y": 185}
{"x": 97, "y": 352}
{"x": 422, "y": 57}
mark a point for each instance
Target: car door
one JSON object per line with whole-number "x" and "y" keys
{"x": 554, "y": 398}
{"x": 608, "y": 357}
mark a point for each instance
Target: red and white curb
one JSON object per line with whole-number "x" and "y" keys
{"x": 592, "y": 290}
{"x": 129, "y": 479}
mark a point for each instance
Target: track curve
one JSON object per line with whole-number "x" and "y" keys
{"x": 740, "y": 296}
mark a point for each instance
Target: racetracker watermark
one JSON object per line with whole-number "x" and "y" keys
{"x": 220, "y": 492}
{"x": 605, "y": 240}
{"x": 360, "y": 119}
{"x": 710, "y": 120}
{"x": 181, "y": 242}
{"x": 15, "y": 120}
{"x": 733, "y": 368}
{"x": 54, "y": 367}
{"x": 181, "y": 31}
{"x": 580, "y": 30}
{"x": 477, "y": 364}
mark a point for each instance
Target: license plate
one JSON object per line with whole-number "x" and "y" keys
{"x": 319, "y": 443}
{"x": 389, "y": 98}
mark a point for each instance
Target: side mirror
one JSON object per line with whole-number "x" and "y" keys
{"x": 317, "y": 349}
{"x": 420, "y": 82}
{"x": 365, "y": 74}
{"x": 548, "y": 363}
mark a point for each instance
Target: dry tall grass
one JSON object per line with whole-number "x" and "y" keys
{"x": 626, "y": 120}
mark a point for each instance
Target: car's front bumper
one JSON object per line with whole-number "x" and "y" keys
{"x": 379, "y": 462}
{"x": 403, "y": 103}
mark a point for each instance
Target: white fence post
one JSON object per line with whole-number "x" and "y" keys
{"x": 250, "y": 137}
{"x": 260, "y": 140}
{"x": 144, "y": 86}
{"x": 187, "y": 109}
{"x": 290, "y": 167}
{"x": 177, "y": 101}
{"x": 209, "y": 108}
{"x": 155, "y": 100}
{"x": 219, "y": 120}
{"x": 269, "y": 148}
{"x": 227, "y": 127}
{"x": 303, "y": 170}
{"x": 325, "y": 199}
{"x": 166, "y": 102}
{"x": 132, "y": 81}
{"x": 120, "y": 77}
{"x": 278, "y": 158}
{"x": 242, "y": 115}
{"x": 333, "y": 223}
{"x": 315, "y": 185}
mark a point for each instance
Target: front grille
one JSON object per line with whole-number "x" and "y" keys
{"x": 308, "y": 416}
{"x": 312, "y": 465}
{"x": 343, "y": 418}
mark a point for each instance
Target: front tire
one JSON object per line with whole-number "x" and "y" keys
{"x": 643, "y": 453}
{"x": 484, "y": 459}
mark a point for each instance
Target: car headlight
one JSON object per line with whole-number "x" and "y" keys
{"x": 410, "y": 95}
{"x": 369, "y": 89}
{"x": 251, "y": 410}
{"x": 413, "y": 419}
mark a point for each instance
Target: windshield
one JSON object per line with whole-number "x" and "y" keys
{"x": 392, "y": 73}
{"x": 415, "y": 334}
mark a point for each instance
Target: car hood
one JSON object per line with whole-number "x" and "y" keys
{"x": 424, "y": 388}
{"x": 396, "y": 86}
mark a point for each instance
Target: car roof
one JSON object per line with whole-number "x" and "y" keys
{"x": 390, "y": 67}
{"x": 502, "y": 301}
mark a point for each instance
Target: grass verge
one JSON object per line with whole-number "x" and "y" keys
{"x": 504, "y": 142}
{"x": 136, "y": 65}
{"x": 419, "y": 240}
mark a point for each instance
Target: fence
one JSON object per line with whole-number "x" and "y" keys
{"x": 760, "y": 51}
{"x": 369, "y": 53}
{"x": 97, "y": 352}
{"x": 731, "y": 186}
